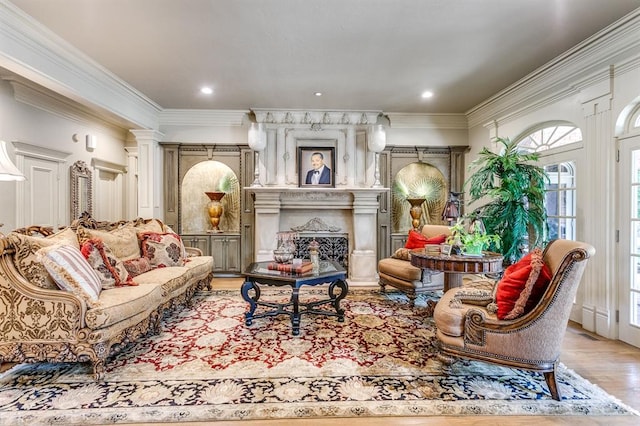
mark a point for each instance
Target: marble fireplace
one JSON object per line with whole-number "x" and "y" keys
{"x": 349, "y": 213}
{"x": 348, "y": 210}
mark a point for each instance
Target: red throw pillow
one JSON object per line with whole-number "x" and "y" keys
{"x": 110, "y": 269}
{"x": 522, "y": 286}
{"x": 417, "y": 240}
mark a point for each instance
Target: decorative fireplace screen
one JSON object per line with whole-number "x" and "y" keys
{"x": 332, "y": 247}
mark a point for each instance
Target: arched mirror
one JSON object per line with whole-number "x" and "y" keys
{"x": 81, "y": 190}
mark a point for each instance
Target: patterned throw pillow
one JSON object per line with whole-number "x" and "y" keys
{"x": 122, "y": 241}
{"x": 137, "y": 266}
{"x": 162, "y": 250}
{"x": 522, "y": 286}
{"x": 110, "y": 269}
{"x": 26, "y": 260}
{"x": 402, "y": 253}
{"x": 71, "y": 272}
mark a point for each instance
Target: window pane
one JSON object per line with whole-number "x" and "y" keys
{"x": 635, "y": 309}
{"x": 635, "y": 240}
{"x": 551, "y": 203}
{"x": 553, "y": 228}
{"x": 567, "y": 228}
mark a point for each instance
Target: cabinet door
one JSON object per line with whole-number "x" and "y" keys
{"x": 198, "y": 241}
{"x": 225, "y": 250}
{"x": 218, "y": 252}
{"x": 233, "y": 254}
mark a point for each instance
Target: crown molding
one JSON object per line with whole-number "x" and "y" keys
{"x": 315, "y": 118}
{"x": 557, "y": 79}
{"x": 428, "y": 121}
{"x": 29, "y": 93}
{"x": 202, "y": 117}
{"x": 32, "y": 50}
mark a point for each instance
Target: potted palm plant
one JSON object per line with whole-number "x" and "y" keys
{"x": 514, "y": 187}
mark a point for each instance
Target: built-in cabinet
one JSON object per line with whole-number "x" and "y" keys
{"x": 225, "y": 250}
{"x": 224, "y": 247}
{"x": 190, "y": 171}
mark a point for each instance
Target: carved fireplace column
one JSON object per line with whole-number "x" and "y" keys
{"x": 267, "y": 223}
{"x": 363, "y": 257}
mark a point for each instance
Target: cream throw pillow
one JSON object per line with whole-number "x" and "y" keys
{"x": 122, "y": 241}
{"x": 26, "y": 260}
{"x": 71, "y": 271}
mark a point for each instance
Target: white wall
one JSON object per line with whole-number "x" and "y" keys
{"x": 36, "y": 126}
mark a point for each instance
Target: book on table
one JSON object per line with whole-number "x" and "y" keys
{"x": 303, "y": 268}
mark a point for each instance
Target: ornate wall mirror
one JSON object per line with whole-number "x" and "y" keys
{"x": 81, "y": 190}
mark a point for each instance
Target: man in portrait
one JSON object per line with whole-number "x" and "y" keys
{"x": 320, "y": 174}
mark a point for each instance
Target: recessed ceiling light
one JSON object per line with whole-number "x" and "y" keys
{"x": 206, "y": 90}
{"x": 427, "y": 94}
{"x": 318, "y": 93}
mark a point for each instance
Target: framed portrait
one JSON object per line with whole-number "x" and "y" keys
{"x": 316, "y": 167}
{"x": 445, "y": 249}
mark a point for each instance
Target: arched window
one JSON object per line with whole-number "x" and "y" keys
{"x": 561, "y": 190}
{"x": 551, "y": 137}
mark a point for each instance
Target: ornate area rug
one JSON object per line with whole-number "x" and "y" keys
{"x": 207, "y": 365}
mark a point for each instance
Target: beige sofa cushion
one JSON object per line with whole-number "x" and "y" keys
{"x": 121, "y": 303}
{"x": 28, "y": 263}
{"x": 122, "y": 241}
{"x": 199, "y": 266}
{"x": 170, "y": 278}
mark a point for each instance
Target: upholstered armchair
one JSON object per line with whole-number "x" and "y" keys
{"x": 468, "y": 329}
{"x": 397, "y": 271}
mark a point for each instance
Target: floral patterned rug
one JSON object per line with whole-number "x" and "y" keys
{"x": 206, "y": 365}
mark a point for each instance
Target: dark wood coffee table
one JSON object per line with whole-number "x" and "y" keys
{"x": 455, "y": 266}
{"x": 330, "y": 272}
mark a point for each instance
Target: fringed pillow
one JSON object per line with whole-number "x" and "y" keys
{"x": 162, "y": 250}
{"x": 110, "y": 269}
{"x": 522, "y": 286}
{"x": 71, "y": 272}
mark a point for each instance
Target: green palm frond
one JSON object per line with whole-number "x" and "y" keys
{"x": 514, "y": 186}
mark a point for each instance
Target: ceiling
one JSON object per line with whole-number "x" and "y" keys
{"x": 361, "y": 54}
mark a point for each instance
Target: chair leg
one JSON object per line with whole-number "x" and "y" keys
{"x": 552, "y": 383}
{"x": 412, "y": 299}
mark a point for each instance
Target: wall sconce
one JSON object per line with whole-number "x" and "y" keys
{"x": 92, "y": 142}
{"x": 8, "y": 171}
{"x": 257, "y": 139}
{"x": 376, "y": 143}
{"x": 451, "y": 211}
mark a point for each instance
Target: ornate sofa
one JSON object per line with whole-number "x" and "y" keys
{"x": 40, "y": 322}
{"x": 397, "y": 271}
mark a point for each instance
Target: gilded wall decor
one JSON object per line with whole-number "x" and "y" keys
{"x": 209, "y": 176}
{"x": 418, "y": 180}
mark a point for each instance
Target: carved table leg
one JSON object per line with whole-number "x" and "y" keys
{"x": 247, "y": 286}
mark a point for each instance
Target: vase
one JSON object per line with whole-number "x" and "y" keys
{"x": 215, "y": 209}
{"x": 415, "y": 211}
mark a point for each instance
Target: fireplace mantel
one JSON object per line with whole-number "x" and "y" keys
{"x": 353, "y": 210}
